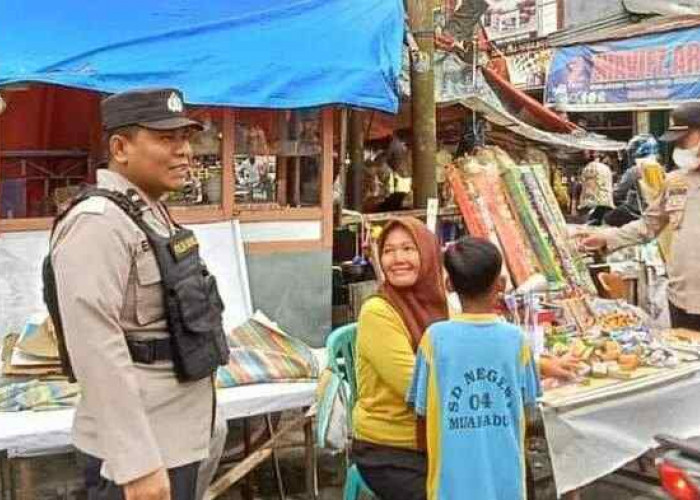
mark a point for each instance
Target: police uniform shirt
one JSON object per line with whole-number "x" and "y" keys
{"x": 135, "y": 417}
{"x": 678, "y": 207}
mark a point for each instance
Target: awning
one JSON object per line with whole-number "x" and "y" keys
{"x": 486, "y": 102}
{"x": 242, "y": 53}
{"x": 544, "y": 117}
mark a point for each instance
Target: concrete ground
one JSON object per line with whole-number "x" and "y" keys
{"x": 58, "y": 478}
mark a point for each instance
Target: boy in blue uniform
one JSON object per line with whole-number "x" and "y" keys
{"x": 474, "y": 375}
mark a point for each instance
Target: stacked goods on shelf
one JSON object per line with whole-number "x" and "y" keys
{"x": 521, "y": 204}
{"x": 519, "y": 259}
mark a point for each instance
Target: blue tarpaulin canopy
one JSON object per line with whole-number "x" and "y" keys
{"x": 242, "y": 53}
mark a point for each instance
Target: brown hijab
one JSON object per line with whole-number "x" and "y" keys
{"x": 425, "y": 302}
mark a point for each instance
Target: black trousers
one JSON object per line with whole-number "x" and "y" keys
{"x": 183, "y": 482}
{"x": 595, "y": 216}
{"x": 683, "y": 319}
{"x": 392, "y": 473}
{"x": 619, "y": 216}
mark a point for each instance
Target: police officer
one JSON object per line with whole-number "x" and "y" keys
{"x": 678, "y": 207}
{"x": 138, "y": 312}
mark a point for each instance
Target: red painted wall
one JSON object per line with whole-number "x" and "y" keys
{"x": 49, "y": 117}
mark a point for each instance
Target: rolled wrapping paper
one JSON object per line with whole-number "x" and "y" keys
{"x": 557, "y": 240}
{"x": 481, "y": 206}
{"x": 520, "y": 204}
{"x": 583, "y": 276}
{"x": 475, "y": 213}
{"x": 549, "y": 196}
{"x": 518, "y": 255}
{"x": 467, "y": 207}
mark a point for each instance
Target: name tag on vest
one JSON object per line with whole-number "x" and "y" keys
{"x": 184, "y": 245}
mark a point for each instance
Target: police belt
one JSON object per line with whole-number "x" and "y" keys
{"x": 150, "y": 351}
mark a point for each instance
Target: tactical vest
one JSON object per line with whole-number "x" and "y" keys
{"x": 197, "y": 343}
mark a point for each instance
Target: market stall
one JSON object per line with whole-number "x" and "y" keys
{"x": 271, "y": 105}
{"x": 633, "y": 380}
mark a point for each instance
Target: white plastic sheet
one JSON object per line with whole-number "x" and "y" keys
{"x": 20, "y": 278}
{"x": 21, "y": 255}
{"x": 594, "y": 436}
{"x": 31, "y": 433}
{"x": 40, "y": 433}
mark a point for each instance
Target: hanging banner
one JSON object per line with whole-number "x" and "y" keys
{"x": 649, "y": 71}
{"x": 529, "y": 69}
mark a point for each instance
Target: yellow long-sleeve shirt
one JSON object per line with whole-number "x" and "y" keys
{"x": 384, "y": 366}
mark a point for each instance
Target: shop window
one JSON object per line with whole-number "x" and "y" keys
{"x": 205, "y": 183}
{"x": 277, "y": 158}
{"x": 47, "y": 155}
{"x": 615, "y": 125}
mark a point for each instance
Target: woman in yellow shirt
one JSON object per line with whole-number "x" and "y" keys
{"x": 389, "y": 446}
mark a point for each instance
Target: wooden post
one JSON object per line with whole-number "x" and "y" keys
{"x": 342, "y": 166}
{"x": 420, "y": 14}
{"x": 327, "y": 176}
{"x": 228, "y": 175}
{"x": 357, "y": 156}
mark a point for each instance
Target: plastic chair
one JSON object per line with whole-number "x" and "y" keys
{"x": 355, "y": 486}
{"x": 341, "y": 360}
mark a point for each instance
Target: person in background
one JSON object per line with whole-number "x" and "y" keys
{"x": 473, "y": 378}
{"x": 597, "y": 192}
{"x": 389, "y": 446}
{"x": 677, "y": 208}
{"x": 626, "y": 196}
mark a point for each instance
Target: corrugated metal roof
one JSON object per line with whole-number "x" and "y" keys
{"x": 582, "y": 32}
{"x": 620, "y": 30}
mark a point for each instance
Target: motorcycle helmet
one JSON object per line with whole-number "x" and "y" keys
{"x": 642, "y": 146}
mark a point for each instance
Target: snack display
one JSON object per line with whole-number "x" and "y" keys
{"x": 515, "y": 207}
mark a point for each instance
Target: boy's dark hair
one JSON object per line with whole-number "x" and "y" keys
{"x": 473, "y": 264}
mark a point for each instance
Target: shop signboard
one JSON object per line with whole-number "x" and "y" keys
{"x": 512, "y": 21}
{"x": 528, "y": 69}
{"x": 648, "y": 71}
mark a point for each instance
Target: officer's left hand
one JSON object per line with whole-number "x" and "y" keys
{"x": 154, "y": 486}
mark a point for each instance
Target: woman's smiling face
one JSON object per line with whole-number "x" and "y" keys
{"x": 400, "y": 259}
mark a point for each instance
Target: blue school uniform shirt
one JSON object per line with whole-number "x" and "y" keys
{"x": 473, "y": 377}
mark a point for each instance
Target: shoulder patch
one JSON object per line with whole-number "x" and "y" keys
{"x": 676, "y": 178}
{"x": 94, "y": 205}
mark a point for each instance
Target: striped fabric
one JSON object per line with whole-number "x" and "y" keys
{"x": 38, "y": 395}
{"x": 260, "y": 353}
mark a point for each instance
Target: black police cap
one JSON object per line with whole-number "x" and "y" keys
{"x": 156, "y": 109}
